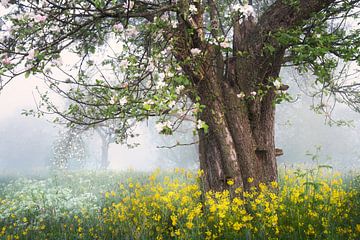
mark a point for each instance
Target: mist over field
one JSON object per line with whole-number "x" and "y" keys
{"x": 26, "y": 143}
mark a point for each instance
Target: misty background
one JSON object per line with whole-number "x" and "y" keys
{"x": 27, "y": 143}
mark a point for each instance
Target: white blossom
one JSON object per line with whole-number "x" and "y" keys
{"x": 236, "y": 7}
{"x": 113, "y": 100}
{"x": 31, "y": 54}
{"x": 277, "y": 84}
{"x": 151, "y": 66}
{"x": 253, "y": 93}
{"x": 161, "y": 76}
{"x": 241, "y": 95}
{"x": 225, "y": 44}
{"x": 160, "y": 84}
{"x": 195, "y": 51}
{"x": 129, "y": 5}
{"x": 149, "y": 102}
{"x": 40, "y": 18}
{"x": 131, "y": 31}
{"x": 247, "y": 11}
{"x": 118, "y": 27}
{"x": 124, "y": 63}
{"x": 6, "y": 61}
{"x": 171, "y": 104}
{"x": 123, "y": 101}
{"x": 5, "y": 3}
{"x": 193, "y": 9}
{"x": 179, "y": 89}
{"x": 174, "y": 24}
{"x": 200, "y": 124}
{"x": 162, "y": 125}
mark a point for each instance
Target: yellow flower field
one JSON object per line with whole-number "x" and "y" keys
{"x": 173, "y": 206}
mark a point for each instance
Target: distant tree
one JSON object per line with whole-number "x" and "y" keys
{"x": 218, "y": 61}
{"x": 69, "y": 150}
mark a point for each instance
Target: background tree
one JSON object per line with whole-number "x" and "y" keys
{"x": 69, "y": 150}
{"x": 218, "y": 61}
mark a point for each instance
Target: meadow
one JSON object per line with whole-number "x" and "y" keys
{"x": 316, "y": 204}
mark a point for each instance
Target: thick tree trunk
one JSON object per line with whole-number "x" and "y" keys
{"x": 240, "y": 142}
{"x": 236, "y": 146}
{"x": 104, "y": 154}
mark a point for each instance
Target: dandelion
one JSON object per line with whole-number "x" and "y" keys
{"x": 230, "y": 182}
{"x": 237, "y": 226}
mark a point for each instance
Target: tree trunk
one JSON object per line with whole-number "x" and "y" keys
{"x": 238, "y": 146}
{"x": 240, "y": 142}
{"x": 104, "y": 154}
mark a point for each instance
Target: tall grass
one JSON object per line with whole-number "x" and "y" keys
{"x": 171, "y": 205}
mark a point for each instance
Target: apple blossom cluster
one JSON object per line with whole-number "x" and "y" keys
{"x": 246, "y": 10}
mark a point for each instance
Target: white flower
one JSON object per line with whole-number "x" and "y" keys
{"x": 125, "y": 85}
{"x": 54, "y": 29}
{"x": 162, "y": 125}
{"x": 113, "y": 100}
{"x": 195, "y": 51}
{"x": 5, "y": 3}
{"x": 174, "y": 24}
{"x": 200, "y": 124}
{"x": 277, "y": 84}
{"x": 193, "y": 9}
{"x": 170, "y": 74}
{"x": 225, "y": 44}
{"x": 131, "y": 31}
{"x": 161, "y": 76}
{"x": 149, "y": 102}
{"x": 118, "y": 27}
{"x": 179, "y": 89}
{"x": 123, "y": 101}
{"x": 31, "y": 54}
{"x": 124, "y": 63}
{"x": 241, "y": 95}
{"x": 40, "y": 18}
{"x": 6, "y": 61}
{"x": 247, "y": 11}
{"x": 236, "y": 7}
{"x": 151, "y": 66}
{"x": 160, "y": 84}
{"x": 253, "y": 93}
{"x": 171, "y": 104}
{"x": 129, "y": 5}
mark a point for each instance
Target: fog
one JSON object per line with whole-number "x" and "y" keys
{"x": 27, "y": 143}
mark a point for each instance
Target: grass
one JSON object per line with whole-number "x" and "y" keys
{"x": 170, "y": 205}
